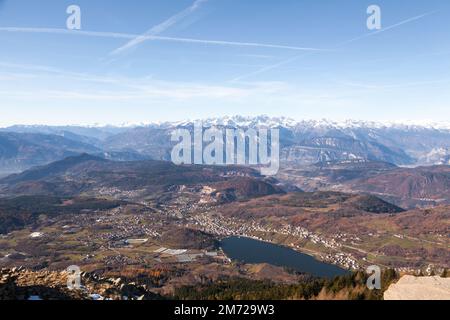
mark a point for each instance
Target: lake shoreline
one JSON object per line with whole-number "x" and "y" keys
{"x": 279, "y": 255}
{"x": 313, "y": 254}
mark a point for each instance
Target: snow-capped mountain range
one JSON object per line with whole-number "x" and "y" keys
{"x": 285, "y": 122}
{"x": 303, "y": 142}
{"x": 257, "y": 121}
{"x": 273, "y": 122}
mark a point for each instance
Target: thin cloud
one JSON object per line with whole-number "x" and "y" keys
{"x": 118, "y": 35}
{"x": 393, "y": 86}
{"x": 158, "y": 29}
{"x": 114, "y": 87}
{"x": 268, "y": 68}
{"x": 290, "y": 60}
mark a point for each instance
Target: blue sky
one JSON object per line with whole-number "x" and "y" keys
{"x": 305, "y": 59}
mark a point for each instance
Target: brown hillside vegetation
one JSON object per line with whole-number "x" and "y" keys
{"x": 420, "y": 184}
{"x": 377, "y": 228}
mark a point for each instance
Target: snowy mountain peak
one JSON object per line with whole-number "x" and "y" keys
{"x": 268, "y": 122}
{"x": 285, "y": 122}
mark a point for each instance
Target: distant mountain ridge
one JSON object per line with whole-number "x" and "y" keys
{"x": 302, "y": 142}
{"x": 91, "y": 175}
{"x": 310, "y": 142}
{"x": 20, "y": 151}
{"x": 102, "y": 131}
{"x": 405, "y": 185}
{"x": 422, "y": 186}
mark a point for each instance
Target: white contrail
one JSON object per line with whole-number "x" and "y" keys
{"x": 279, "y": 64}
{"x": 68, "y": 32}
{"x": 159, "y": 38}
{"x": 158, "y": 29}
{"x": 233, "y": 43}
{"x": 387, "y": 28}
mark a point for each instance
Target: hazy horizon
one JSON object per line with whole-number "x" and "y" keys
{"x": 442, "y": 124}
{"x": 160, "y": 61}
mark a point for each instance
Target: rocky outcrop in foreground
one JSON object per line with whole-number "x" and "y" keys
{"x": 419, "y": 288}
{"x": 22, "y": 284}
